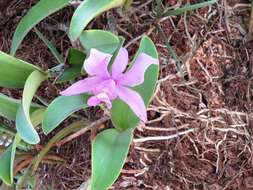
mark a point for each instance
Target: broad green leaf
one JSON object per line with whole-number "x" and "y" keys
{"x": 122, "y": 116}
{"x": 13, "y": 71}
{"x": 100, "y": 40}
{"x": 75, "y": 57}
{"x": 37, "y": 116}
{"x": 109, "y": 152}
{"x": 88, "y": 10}
{"x": 24, "y": 124}
{"x": 185, "y": 8}
{"x": 50, "y": 46}
{"x": 9, "y": 107}
{"x": 74, "y": 63}
{"x": 7, "y": 162}
{"x": 37, "y": 13}
{"x": 60, "y": 109}
{"x": 70, "y": 74}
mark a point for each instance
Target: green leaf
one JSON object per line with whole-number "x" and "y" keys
{"x": 50, "y": 46}
{"x": 101, "y": 40}
{"x": 13, "y": 71}
{"x": 24, "y": 124}
{"x": 60, "y": 109}
{"x": 88, "y": 10}
{"x": 37, "y": 13}
{"x": 9, "y": 107}
{"x": 74, "y": 64}
{"x": 7, "y": 162}
{"x": 76, "y": 57}
{"x": 158, "y": 8}
{"x": 70, "y": 74}
{"x": 109, "y": 152}
{"x": 37, "y": 116}
{"x": 181, "y": 10}
{"x": 122, "y": 116}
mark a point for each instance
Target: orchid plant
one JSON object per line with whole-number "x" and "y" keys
{"x": 112, "y": 80}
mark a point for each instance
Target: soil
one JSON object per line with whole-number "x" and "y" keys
{"x": 209, "y": 97}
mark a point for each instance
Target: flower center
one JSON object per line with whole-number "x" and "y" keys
{"x": 108, "y": 86}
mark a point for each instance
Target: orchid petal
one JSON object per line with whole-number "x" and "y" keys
{"x": 135, "y": 76}
{"x": 97, "y": 99}
{"x": 81, "y": 86}
{"x": 107, "y": 86}
{"x": 120, "y": 63}
{"x": 97, "y": 63}
{"x": 133, "y": 100}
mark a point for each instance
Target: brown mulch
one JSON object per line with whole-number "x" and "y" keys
{"x": 211, "y": 97}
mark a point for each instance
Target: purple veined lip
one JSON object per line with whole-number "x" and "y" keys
{"x": 106, "y": 86}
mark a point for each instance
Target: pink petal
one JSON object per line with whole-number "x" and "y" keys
{"x": 97, "y": 99}
{"x": 133, "y": 100}
{"x": 135, "y": 76}
{"x": 82, "y": 86}
{"x": 120, "y": 63}
{"x": 97, "y": 63}
{"x": 107, "y": 86}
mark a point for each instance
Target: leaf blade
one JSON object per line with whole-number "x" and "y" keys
{"x": 185, "y": 8}
{"x": 56, "y": 112}
{"x": 13, "y": 71}
{"x": 50, "y": 46}
{"x": 7, "y": 162}
{"x": 37, "y": 13}
{"x": 74, "y": 66}
{"x": 101, "y": 40}
{"x": 24, "y": 124}
{"x": 88, "y": 10}
{"x": 9, "y": 107}
{"x": 109, "y": 152}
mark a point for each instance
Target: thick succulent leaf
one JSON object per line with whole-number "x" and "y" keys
{"x": 70, "y": 74}
{"x": 88, "y": 10}
{"x": 60, "y": 109}
{"x": 122, "y": 115}
{"x": 37, "y": 13}
{"x": 109, "y": 152}
{"x": 74, "y": 63}
{"x": 9, "y": 107}
{"x": 75, "y": 57}
{"x": 7, "y": 162}
{"x": 24, "y": 124}
{"x": 13, "y": 71}
{"x": 37, "y": 116}
{"x": 101, "y": 40}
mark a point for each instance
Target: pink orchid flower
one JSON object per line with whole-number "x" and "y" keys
{"x": 107, "y": 86}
